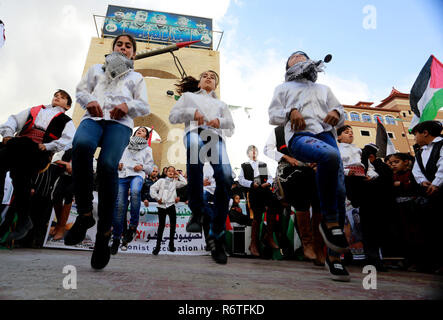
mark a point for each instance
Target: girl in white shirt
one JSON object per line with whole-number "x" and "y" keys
{"x": 135, "y": 164}
{"x": 165, "y": 192}
{"x": 207, "y": 121}
{"x": 112, "y": 94}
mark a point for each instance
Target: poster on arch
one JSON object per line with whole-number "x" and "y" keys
{"x": 158, "y": 27}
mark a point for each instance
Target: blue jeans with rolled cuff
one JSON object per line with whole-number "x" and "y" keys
{"x": 135, "y": 184}
{"x": 322, "y": 149}
{"x": 212, "y": 149}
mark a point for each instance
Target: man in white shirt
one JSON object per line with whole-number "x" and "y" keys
{"x": 39, "y": 132}
{"x": 255, "y": 179}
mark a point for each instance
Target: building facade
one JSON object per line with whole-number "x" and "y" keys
{"x": 394, "y": 112}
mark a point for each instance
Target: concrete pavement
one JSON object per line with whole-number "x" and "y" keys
{"x": 28, "y": 274}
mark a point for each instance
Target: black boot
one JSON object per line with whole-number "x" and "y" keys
{"x": 171, "y": 246}
{"x": 156, "y": 249}
{"x": 218, "y": 250}
{"x": 195, "y": 223}
{"x": 102, "y": 251}
{"x": 130, "y": 234}
{"x": 77, "y": 233}
{"x": 115, "y": 245}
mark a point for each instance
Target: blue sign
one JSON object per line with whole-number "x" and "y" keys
{"x": 158, "y": 27}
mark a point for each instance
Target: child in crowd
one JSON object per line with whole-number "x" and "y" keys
{"x": 112, "y": 94}
{"x": 164, "y": 191}
{"x": 30, "y": 138}
{"x": 354, "y": 169}
{"x": 309, "y": 113}
{"x": 135, "y": 163}
{"x": 207, "y": 121}
{"x": 378, "y": 218}
{"x": 428, "y": 172}
{"x": 404, "y": 181}
{"x": 236, "y": 213}
{"x": 405, "y": 192}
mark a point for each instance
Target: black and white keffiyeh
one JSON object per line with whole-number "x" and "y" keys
{"x": 117, "y": 65}
{"x": 304, "y": 70}
{"x": 137, "y": 143}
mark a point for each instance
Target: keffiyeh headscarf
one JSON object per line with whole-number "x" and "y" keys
{"x": 117, "y": 65}
{"x": 137, "y": 143}
{"x": 303, "y": 70}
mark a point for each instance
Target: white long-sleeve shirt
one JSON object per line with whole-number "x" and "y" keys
{"x": 314, "y": 101}
{"x": 129, "y": 89}
{"x": 130, "y": 159}
{"x": 351, "y": 156}
{"x": 270, "y": 149}
{"x": 208, "y": 173}
{"x": 15, "y": 123}
{"x": 209, "y": 106}
{"x": 166, "y": 189}
{"x": 419, "y": 175}
{"x": 257, "y": 172}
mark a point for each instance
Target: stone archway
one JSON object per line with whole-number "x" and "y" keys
{"x": 160, "y": 150}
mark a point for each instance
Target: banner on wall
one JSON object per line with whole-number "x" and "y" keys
{"x": 145, "y": 241}
{"x": 158, "y": 27}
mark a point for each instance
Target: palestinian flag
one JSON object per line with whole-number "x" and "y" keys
{"x": 292, "y": 234}
{"x": 426, "y": 96}
{"x": 383, "y": 142}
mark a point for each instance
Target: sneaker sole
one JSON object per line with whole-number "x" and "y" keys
{"x": 331, "y": 245}
{"x": 336, "y": 277}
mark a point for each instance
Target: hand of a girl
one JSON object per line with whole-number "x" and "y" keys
{"x": 332, "y": 118}
{"x": 119, "y": 111}
{"x": 199, "y": 118}
{"x": 138, "y": 168}
{"x": 214, "y": 123}
{"x": 159, "y": 201}
{"x": 120, "y": 166}
{"x": 94, "y": 109}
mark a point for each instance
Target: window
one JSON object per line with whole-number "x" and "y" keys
{"x": 404, "y": 114}
{"x": 403, "y": 135}
{"x": 355, "y": 116}
{"x": 409, "y": 111}
{"x": 365, "y": 133}
{"x": 391, "y": 135}
{"x": 366, "y": 117}
{"x": 380, "y": 117}
{"x": 346, "y": 115}
{"x": 390, "y": 120}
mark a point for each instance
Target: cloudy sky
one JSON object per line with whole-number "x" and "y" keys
{"x": 375, "y": 45}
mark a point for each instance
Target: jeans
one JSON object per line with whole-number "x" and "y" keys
{"x": 113, "y": 138}
{"x": 323, "y": 150}
{"x": 135, "y": 184}
{"x": 217, "y": 156}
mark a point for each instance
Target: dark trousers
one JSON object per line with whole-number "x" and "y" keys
{"x": 260, "y": 199}
{"x": 23, "y": 159}
{"x": 162, "y": 213}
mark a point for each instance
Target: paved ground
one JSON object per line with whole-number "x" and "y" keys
{"x": 29, "y": 274}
